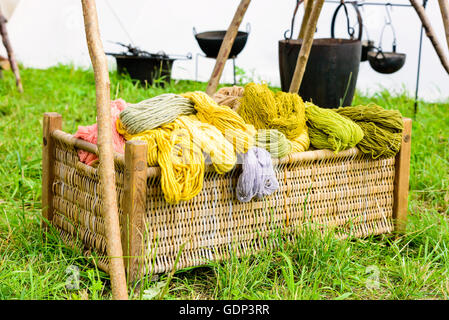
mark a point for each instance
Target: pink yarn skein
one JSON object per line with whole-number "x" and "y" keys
{"x": 90, "y": 133}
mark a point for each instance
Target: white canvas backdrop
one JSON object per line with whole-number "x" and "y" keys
{"x": 48, "y": 32}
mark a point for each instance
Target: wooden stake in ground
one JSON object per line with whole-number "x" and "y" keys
{"x": 105, "y": 152}
{"x": 401, "y": 179}
{"x": 307, "y": 42}
{"x": 226, "y": 47}
{"x": 431, "y": 34}
{"x": 8, "y": 47}
{"x": 444, "y": 8}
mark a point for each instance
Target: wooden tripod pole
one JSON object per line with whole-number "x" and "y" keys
{"x": 308, "y": 4}
{"x": 226, "y": 47}
{"x": 444, "y": 8}
{"x": 307, "y": 42}
{"x": 105, "y": 152}
{"x": 8, "y": 47}
{"x": 431, "y": 34}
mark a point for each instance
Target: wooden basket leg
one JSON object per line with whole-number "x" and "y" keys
{"x": 52, "y": 122}
{"x": 134, "y": 207}
{"x": 401, "y": 179}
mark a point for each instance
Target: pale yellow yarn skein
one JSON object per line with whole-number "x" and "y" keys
{"x": 181, "y": 161}
{"x": 227, "y": 121}
{"x": 211, "y": 141}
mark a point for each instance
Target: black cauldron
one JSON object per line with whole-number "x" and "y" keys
{"x": 210, "y": 42}
{"x": 144, "y": 66}
{"x": 386, "y": 62}
{"x": 331, "y": 72}
{"x": 145, "y": 69}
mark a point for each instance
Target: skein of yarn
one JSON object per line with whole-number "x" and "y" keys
{"x": 258, "y": 177}
{"x": 330, "y": 130}
{"x": 181, "y": 161}
{"x": 230, "y": 124}
{"x": 90, "y": 134}
{"x": 229, "y": 96}
{"x": 291, "y": 111}
{"x": 387, "y": 119}
{"x": 382, "y": 129}
{"x": 378, "y": 142}
{"x": 265, "y": 110}
{"x": 301, "y": 143}
{"x": 157, "y": 111}
{"x": 211, "y": 141}
{"x": 274, "y": 142}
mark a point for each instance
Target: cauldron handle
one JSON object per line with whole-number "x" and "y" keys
{"x": 379, "y": 51}
{"x": 350, "y": 29}
{"x": 298, "y": 2}
{"x": 388, "y": 24}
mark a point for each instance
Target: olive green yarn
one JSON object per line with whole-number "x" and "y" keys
{"x": 274, "y": 141}
{"x": 378, "y": 142}
{"x": 382, "y": 129}
{"x": 387, "y": 119}
{"x": 329, "y": 130}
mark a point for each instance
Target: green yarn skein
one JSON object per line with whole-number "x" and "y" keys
{"x": 382, "y": 129}
{"x": 329, "y": 130}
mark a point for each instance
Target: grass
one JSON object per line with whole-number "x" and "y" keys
{"x": 32, "y": 266}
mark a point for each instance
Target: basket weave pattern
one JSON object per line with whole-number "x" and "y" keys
{"x": 348, "y": 191}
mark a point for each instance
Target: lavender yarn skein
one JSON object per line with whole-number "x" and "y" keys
{"x": 258, "y": 177}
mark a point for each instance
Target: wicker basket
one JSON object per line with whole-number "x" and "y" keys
{"x": 349, "y": 191}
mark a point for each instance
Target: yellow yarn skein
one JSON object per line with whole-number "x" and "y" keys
{"x": 181, "y": 161}
{"x": 265, "y": 110}
{"x": 301, "y": 143}
{"x": 211, "y": 141}
{"x": 291, "y": 112}
{"x": 227, "y": 121}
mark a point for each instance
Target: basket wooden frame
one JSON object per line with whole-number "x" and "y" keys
{"x": 335, "y": 190}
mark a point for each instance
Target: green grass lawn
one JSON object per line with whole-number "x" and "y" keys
{"x": 414, "y": 266}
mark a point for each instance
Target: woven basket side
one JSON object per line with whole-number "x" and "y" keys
{"x": 77, "y": 200}
{"x": 348, "y": 192}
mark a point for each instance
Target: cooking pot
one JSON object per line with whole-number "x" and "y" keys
{"x": 210, "y": 41}
{"x": 144, "y": 66}
{"x": 386, "y": 62}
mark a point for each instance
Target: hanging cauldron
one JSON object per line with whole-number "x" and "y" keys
{"x": 332, "y": 69}
{"x": 146, "y": 67}
{"x": 386, "y": 62}
{"x": 210, "y": 41}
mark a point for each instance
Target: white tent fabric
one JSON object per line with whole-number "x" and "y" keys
{"x": 48, "y": 32}
{"x": 8, "y": 7}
